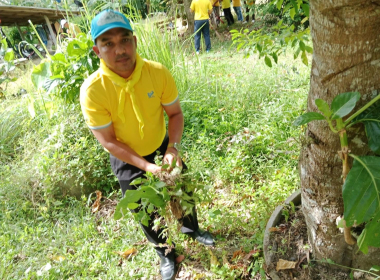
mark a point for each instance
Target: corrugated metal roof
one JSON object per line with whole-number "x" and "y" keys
{"x": 9, "y": 15}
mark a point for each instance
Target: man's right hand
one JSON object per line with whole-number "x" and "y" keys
{"x": 153, "y": 168}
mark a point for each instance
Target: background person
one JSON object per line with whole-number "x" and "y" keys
{"x": 72, "y": 29}
{"x": 202, "y": 10}
{"x": 226, "y": 6}
{"x": 236, "y": 4}
{"x": 123, "y": 104}
{"x": 249, "y": 9}
{"x": 216, "y": 9}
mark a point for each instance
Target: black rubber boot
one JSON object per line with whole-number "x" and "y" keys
{"x": 203, "y": 237}
{"x": 168, "y": 267}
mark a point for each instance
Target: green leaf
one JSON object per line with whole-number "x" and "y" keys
{"x": 323, "y": 107}
{"x": 268, "y": 62}
{"x": 40, "y": 73}
{"x": 294, "y": 43}
{"x": 9, "y": 55}
{"x": 275, "y": 57}
{"x": 159, "y": 185}
{"x": 302, "y": 46}
{"x": 361, "y": 190}
{"x": 136, "y": 181}
{"x": 375, "y": 268}
{"x": 59, "y": 57}
{"x": 292, "y": 13}
{"x": 308, "y": 49}
{"x": 343, "y": 104}
{"x": 145, "y": 220}
{"x": 152, "y": 196}
{"x": 306, "y": 9}
{"x": 74, "y": 49}
{"x": 279, "y": 4}
{"x": 133, "y": 205}
{"x": 4, "y": 44}
{"x": 304, "y": 58}
{"x": 370, "y": 235}
{"x": 371, "y": 120}
{"x": 296, "y": 53}
{"x": 259, "y": 48}
{"x": 295, "y": 6}
{"x": 308, "y": 117}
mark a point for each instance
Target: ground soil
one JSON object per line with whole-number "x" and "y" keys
{"x": 289, "y": 242}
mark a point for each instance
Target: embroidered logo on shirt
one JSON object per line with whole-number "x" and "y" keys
{"x": 151, "y": 94}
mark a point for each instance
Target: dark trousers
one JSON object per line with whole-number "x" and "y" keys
{"x": 228, "y": 16}
{"x": 202, "y": 27}
{"x": 247, "y": 9}
{"x": 126, "y": 173}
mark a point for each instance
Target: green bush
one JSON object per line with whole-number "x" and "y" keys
{"x": 68, "y": 159}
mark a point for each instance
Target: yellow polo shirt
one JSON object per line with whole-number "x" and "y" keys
{"x": 226, "y": 4}
{"x": 215, "y": 3}
{"x": 155, "y": 89}
{"x": 201, "y": 8}
{"x": 236, "y": 3}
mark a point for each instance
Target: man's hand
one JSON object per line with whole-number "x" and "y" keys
{"x": 155, "y": 169}
{"x": 170, "y": 155}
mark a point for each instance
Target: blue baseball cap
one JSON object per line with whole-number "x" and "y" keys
{"x": 107, "y": 20}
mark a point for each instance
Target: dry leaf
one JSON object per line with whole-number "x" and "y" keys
{"x": 221, "y": 109}
{"x": 274, "y": 229}
{"x": 283, "y": 264}
{"x": 128, "y": 253}
{"x": 95, "y": 206}
{"x": 252, "y": 252}
{"x": 237, "y": 254}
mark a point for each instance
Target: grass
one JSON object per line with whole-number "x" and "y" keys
{"x": 238, "y": 140}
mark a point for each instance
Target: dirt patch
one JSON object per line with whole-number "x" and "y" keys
{"x": 292, "y": 254}
{"x": 290, "y": 247}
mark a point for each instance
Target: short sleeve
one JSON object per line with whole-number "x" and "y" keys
{"x": 93, "y": 107}
{"x": 170, "y": 92}
{"x": 209, "y": 6}
{"x": 192, "y": 5}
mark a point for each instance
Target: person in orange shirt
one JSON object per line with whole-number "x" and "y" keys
{"x": 202, "y": 10}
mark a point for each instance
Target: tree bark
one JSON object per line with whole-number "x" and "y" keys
{"x": 190, "y": 17}
{"x": 346, "y": 57}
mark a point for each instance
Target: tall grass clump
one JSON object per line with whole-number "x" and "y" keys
{"x": 12, "y": 125}
{"x": 164, "y": 46}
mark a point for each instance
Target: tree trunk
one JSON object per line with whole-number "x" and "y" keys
{"x": 190, "y": 17}
{"x": 147, "y": 8}
{"x": 346, "y": 40}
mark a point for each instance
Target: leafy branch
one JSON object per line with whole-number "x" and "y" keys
{"x": 171, "y": 195}
{"x": 361, "y": 184}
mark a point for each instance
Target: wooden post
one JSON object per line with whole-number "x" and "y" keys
{"x": 19, "y": 31}
{"x": 52, "y": 35}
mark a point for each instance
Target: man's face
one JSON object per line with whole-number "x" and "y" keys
{"x": 117, "y": 47}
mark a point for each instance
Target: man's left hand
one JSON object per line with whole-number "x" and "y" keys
{"x": 170, "y": 155}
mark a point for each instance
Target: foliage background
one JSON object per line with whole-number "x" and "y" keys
{"x": 238, "y": 141}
